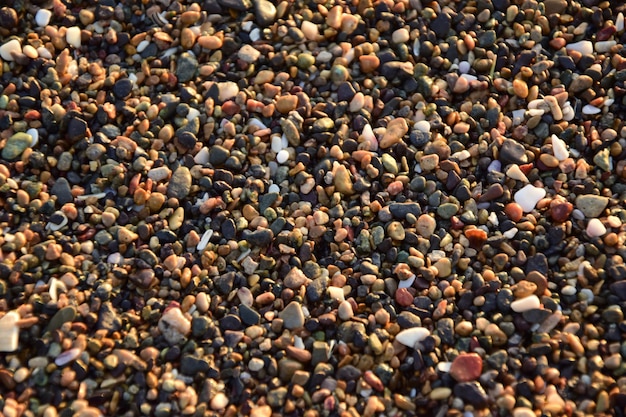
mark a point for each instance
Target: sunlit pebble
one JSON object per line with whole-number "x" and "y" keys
{"x": 42, "y": 17}
{"x": 422, "y": 126}
{"x": 464, "y": 67}
{"x": 34, "y": 133}
{"x": 273, "y": 188}
{"x": 595, "y": 228}
{"x": 282, "y": 156}
{"x": 73, "y": 36}
{"x": 10, "y": 48}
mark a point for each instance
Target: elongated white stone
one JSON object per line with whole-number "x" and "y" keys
{"x": 559, "y": 148}
{"x": 516, "y": 173}
{"x": 589, "y": 109}
{"x": 411, "y": 337}
{"x": 525, "y": 304}
{"x": 529, "y": 196}
{"x": 9, "y": 332}
{"x": 68, "y": 356}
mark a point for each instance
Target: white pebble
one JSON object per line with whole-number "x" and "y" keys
{"x": 44, "y": 53}
{"x": 619, "y": 22}
{"x": 595, "y": 228}
{"x": 568, "y": 290}
{"x": 344, "y": 311}
{"x": 587, "y": 295}
{"x": 277, "y": 144}
{"x": 42, "y": 17}
{"x": 422, "y": 126}
{"x": 584, "y": 47}
{"x": 510, "y": 234}
{"x": 525, "y": 304}
{"x": 9, "y": 332}
{"x": 202, "y": 157}
{"x": 174, "y": 325}
{"x": 10, "y": 48}
{"x": 273, "y": 188}
{"x": 559, "y": 148}
{"x": 516, "y": 173}
{"x": 589, "y": 109}
{"x": 529, "y": 196}
{"x": 411, "y": 337}
{"x": 336, "y": 293}
{"x": 255, "y": 34}
{"x": 34, "y": 133}
{"x": 407, "y": 283}
{"x": 142, "y": 45}
{"x": 193, "y": 112}
{"x": 204, "y": 240}
{"x": 73, "y": 36}
{"x": 469, "y": 77}
{"x": 282, "y": 156}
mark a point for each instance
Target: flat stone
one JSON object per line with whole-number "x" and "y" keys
{"x": 295, "y": 278}
{"x": 472, "y": 393}
{"x": 396, "y": 129}
{"x": 342, "y": 181}
{"x": 16, "y": 145}
{"x": 411, "y": 337}
{"x": 63, "y": 191}
{"x": 64, "y": 315}
{"x": 512, "y": 152}
{"x": 529, "y": 196}
{"x": 180, "y": 183}
{"x": 466, "y": 367}
{"x": 591, "y": 205}
{"x": 525, "y": 304}
{"x": 76, "y": 129}
{"x": 292, "y": 315}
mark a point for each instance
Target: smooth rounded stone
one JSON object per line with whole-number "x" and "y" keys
{"x": 174, "y": 325}
{"x": 282, "y": 156}
{"x": 16, "y": 145}
{"x": 72, "y": 35}
{"x": 411, "y": 337}
{"x": 395, "y": 131}
{"x": 248, "y": 54}
{"x": 342, "y": 181}
{"x": 395, "y": 230}
{"x": 122, "y": 88}
{"x": 186, "y": 67}
{"x": 67, "y": 357}
{"x": 180, "y": 183}
{"x": 523, "y": 412}
{"x": 10, "y": 49}
{"x": 525, "y": 304}
{"x": 344, "y": 311}
{"x": 292, "y": 316}
{"x": 9, "y": 332}
{"x": 429, "y": 162}
{"x": 219, "y": 401}
{"x": 447, "y": 210}
{"x": 466, "y": 367}
{"x": 559, "y": 148}
{"x": 42, "y": 17}
{"x": 580, "y": 84}
{"x": 529, "y": 196}
{"x": 295, "y": 278}
{"x": 264, "y": 12}
{"x": 584, "y": 47}
{"x": 512, "y": 152}
{"x": 591, "y": 205}
{"x": 64, "y": 315}
{"x": 426, "y": 225}
{"x": 595, "y": 228}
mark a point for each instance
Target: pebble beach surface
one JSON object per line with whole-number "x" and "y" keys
{"x": 312, "y": 208}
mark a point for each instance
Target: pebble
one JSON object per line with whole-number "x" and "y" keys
{"x": 529, "y": 196}
{"x": 411, "y": 337}
{"x": 42, "y": 17}
{"x": 466, "y": 367}
{"x": 292, "y": 316}
{"x": 174, "y": 325}
{"x": 591, "y": 205}
{"x": 16, "y": 145}
{"x": 10, "y": 332}
{"x": 595, "y": 228}
{"x": 395, "y": 131}
{"x": 525, "y": 304}
{"x": 10, "y": 49}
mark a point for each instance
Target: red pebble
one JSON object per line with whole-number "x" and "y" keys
{"x": 466, "y": 367}
{"x": 560, "y": 210}
{"x": 404, "y": 297}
